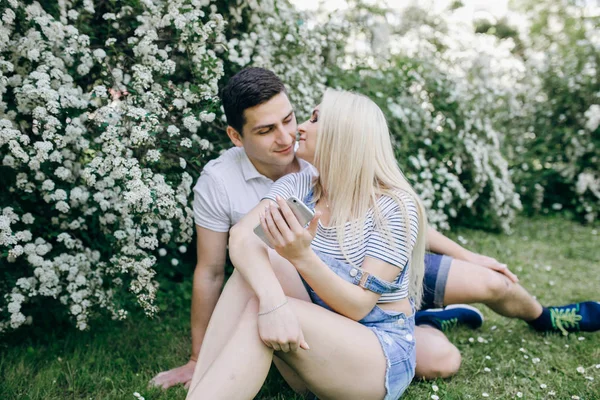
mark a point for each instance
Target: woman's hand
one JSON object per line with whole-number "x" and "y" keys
{"x": 290, "y": 239}
{"x": 280, "y": 330}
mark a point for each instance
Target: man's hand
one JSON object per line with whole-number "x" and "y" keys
{"x": 175, "y": 376}
{"x": 280, "y": 330}
{"x": 491, "y": 263}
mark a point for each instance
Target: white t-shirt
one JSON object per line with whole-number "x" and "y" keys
{"x": 228, "y": 188}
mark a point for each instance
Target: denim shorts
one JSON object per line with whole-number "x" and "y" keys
{"x": 437, "y": 268}
{"x": 394, "y": 330}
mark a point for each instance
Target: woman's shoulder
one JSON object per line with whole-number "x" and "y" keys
{"x": 394, "y": 199}
{"x": 300, "y": 177}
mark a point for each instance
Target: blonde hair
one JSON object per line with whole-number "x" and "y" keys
{"x": 356, "y": 164}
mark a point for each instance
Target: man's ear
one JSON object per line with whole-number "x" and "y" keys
{"x": 235, "y": 136}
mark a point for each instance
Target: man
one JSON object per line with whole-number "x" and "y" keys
{"x": 262, "y": 126}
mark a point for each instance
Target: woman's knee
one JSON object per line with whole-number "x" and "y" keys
{"x": 445, "y": 366}
{"x": 436, "y": 356}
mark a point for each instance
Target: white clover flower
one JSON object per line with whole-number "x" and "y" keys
{"x": 519, "y": 394}
{"x": 162, "y": 252}
{"x": 581, "y": 370}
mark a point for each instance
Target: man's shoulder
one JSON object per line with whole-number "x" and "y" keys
{"x": 226, "y": 163}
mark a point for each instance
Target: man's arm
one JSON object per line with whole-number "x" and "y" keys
{"x": 440, "y": 244}
{"x": 208, "y": 281}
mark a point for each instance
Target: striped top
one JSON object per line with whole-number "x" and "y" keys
{"x": 375, "y": 243}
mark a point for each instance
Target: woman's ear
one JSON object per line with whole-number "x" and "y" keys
{"x": 235, "y": 136}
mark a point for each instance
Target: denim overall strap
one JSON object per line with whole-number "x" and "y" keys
{"x": 358, "y": 276}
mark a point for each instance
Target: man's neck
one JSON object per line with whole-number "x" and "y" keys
{"x": 275, "y": 172}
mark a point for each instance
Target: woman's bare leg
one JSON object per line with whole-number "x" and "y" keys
{"x": 437, "y": 357}
{"x": 230, "y": 307}
{"x": 333, "y": 368}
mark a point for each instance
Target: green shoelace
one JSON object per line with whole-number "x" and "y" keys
{"x": 448, "y": 324}
{"x": 563, "y": 319}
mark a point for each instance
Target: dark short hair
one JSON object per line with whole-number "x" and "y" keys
{"x": 248, "y": 88}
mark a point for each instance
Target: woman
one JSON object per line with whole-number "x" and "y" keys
{"x": 360, "y": 259}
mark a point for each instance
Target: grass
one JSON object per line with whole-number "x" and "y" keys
{"x": 556, "y": 259}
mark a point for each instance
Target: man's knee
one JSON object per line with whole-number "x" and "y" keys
{"x": 496, "y": 286}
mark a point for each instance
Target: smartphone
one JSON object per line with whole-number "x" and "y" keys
{"x": 300, "y": 210}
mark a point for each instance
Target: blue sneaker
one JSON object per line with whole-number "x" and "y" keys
{"x": 450, "y": 317}
{"x": 576, "y": 317}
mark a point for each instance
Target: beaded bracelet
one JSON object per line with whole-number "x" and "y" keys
{"x": 273, "y": 309}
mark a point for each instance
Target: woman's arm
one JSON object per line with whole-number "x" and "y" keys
{"x": 279, "y": 329}
{"x": 344, "y": 297}
{"x": 292, "y": 241}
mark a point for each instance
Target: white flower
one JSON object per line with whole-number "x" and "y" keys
{"x": 435, "y": 397}
{"x": 581, "y": 370}
{"x": 543, "y": 386}
{"x": 186, "y": 142}
{"x": 62, "y": 207}
{"x": 99, "y": 54}
{"x": 153, "y": 155}
{"x": 28, "y": 219}
{"x": 182, "y": 249}
{"x": 435, "y": 388}
{"x": 172, "y": 130}
{"x": 174, "y": 262}
{"x": 182, "y": 163}
{"x": 519, "y": 394}
{"x": 162, "y": 252}
{"x": 484, "y": 394}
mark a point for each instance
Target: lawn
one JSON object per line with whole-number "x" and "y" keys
{"x": 556, "y": 259}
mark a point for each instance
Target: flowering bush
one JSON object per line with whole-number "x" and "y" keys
{"x": 272, "y": 34}
{"x": 445, "y": 91}
{"x": 556, "y": 157}
{"x": 98, "y": 135}
{"x": 108, "y": 113}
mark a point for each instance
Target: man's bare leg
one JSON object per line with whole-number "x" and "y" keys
{"x": 470, "y": 283}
